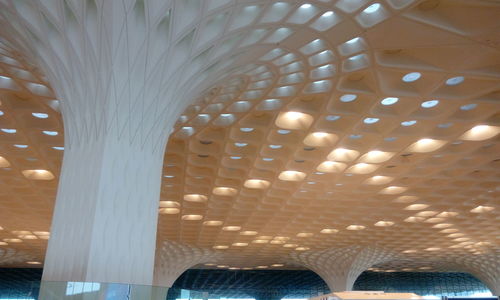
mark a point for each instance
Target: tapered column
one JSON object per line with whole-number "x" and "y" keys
{"x": 173, "y": 258}
{"x": 340, "y": 267}
{"x": 117, "y": 76}
{"x": 486, "y": 267}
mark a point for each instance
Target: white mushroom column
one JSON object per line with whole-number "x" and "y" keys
{"x": 486, "y": 267}
{"x": 110, "y": 66}
{"x": 340, "y": 267}
{"x": 173, "y": 259}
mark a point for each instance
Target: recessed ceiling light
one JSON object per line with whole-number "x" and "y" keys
{"x": 240, "y": 244}
{"x": 331, "y": 167}
{"x": 257, "y": 184}
{"x": 411, "y": 77}
{"x": 455, "y": 80}
{"x": 192, "y": 217}
{"x": 328, "y": 231}
{"x": 362, "y": 168}
{"x": 305, "y": 234}
{"x": 21, "y": 146}
{"x": 426, "y": 145}
{"x": 482, "y": 209}
{"x": 169, "y": 204}
{"x": 58, "y": 148}
{"x": 221, "y": 247}
{"x": 343, "y": 155}
{"x": 348, "y": 98}
{"x": 267, "y": 159}
{"x": 169, "y": 211}
{"x": 260, "y": 241}
{"x": 225, "y": 191}
{"x": 372, "y": 8}
{"x": 306, "y": 6}
{"x": 246, "y": 129}
{"x": 376, "y": 157}
{"x": 195, "y": 198}
{"x": 480, "y": 133}
{"x": 231, "y": 228}
{"x": 355, "y": 227}
{"x": 235, "y": 157}
{"x": 416, "y": 207}
{"x": 249, "y": 232}
{"x": 212, "y": 223}
{"x": 38, "y": 174}
{"x": 429, "y": 104}
{"x": 33, "y": 263}
{"x": 240, "y": 144}
{"x": 302, "y": 248}
{"x": 384, "y": 223}
{"x": 292, "y": 176}
{"x": 294, "y": 120}
{"x": 275, "y": 146}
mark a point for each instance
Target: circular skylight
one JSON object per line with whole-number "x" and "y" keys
{"x": 445, "y": 125}
{"x": 246, "y": 129}
{"x": 21, "y": 146}
{"x": 389, "y": 100}
{"x": 240, "y": 144}
{"x": 410, "y": 77}
{"x": 51, "y": 133}
{"x": 306, "y": 6}
{"x": 275, "y": 146}
{"x": 348, "y": 98}
{"x": 352, "y": 41}
{"x": 283, "y": 131}
{"x": 267, "y": 159}
{"x": 332, "y": 118}
{"x": 40, "y": 115}
{"x": 371, "y": 120}
{"x": 429, "y": 104}
{"x": 328, "y": 14}
{"x": 468, "y": 106}
{"x": 9, "y": 130}
{"x": 235, "y": 157}
{"x": 455, "y": 80}
{"x": 408, "y": 123}
{"x": 372, "y": 8}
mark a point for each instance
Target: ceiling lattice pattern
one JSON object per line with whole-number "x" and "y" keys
{"x": 324, "y": 124}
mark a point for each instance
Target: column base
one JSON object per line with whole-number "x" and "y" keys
{"x": 56, "y": 290}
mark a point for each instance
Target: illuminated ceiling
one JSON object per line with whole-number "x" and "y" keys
{"x": 350, "y": 123}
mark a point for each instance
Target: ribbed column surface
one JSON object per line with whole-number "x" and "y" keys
{"x": 340, "y": 267}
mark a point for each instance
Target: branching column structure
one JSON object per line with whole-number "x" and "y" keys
{"x": 172, "y": 259}
{"x": 112, "y": 66}
{"x": 340, "y": 267}
{"x": 486, "y": 267}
